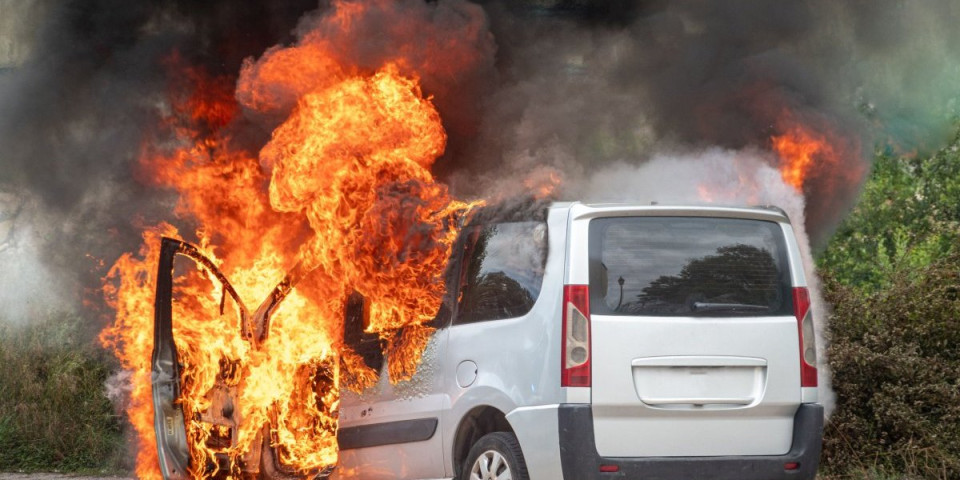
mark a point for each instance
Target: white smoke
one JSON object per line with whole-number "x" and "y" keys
{"x": 118, "y": 388}
{"x": 29, "y": 289}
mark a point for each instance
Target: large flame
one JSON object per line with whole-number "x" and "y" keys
{"x": 810, "y": 156}
{"x": 802, "y": 149}
{"x": 343, "y": 191}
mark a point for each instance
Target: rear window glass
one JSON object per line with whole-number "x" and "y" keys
{"x": 688, "y": 266}
{"x": 502, "y": 271}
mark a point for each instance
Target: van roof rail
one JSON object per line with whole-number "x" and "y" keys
{"x": 773, "y": 208}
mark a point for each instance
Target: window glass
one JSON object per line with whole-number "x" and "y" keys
{"x": 502, "y": 270}
{"x": 688, "y": 266}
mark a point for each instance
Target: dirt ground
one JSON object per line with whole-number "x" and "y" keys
{"x": 52, "y": 476}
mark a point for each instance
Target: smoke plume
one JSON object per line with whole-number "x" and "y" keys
{"x": 582, "y": 86}
{"x": 590, "y": 91}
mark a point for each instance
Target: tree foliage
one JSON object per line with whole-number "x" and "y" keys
{"x": 737, "y": 274}
{"x": 907, "y": 217}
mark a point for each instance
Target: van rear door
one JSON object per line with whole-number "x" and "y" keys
{"x": 694, "y": 341}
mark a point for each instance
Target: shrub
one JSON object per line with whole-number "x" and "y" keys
{"x": 53, "y": 411}
{"x": 895, "y": 357}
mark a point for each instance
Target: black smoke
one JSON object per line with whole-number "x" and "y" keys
{"x": 585, "y": 84}
{"x": 75, "y": 112}
{"x": 572, "y": 85}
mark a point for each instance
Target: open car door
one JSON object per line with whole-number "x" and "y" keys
{"x": 221, "y": 417}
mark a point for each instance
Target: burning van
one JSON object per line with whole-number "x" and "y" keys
{"x": 574, "y": 341}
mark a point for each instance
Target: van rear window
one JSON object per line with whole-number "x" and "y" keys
{"x": 688, "y": 266}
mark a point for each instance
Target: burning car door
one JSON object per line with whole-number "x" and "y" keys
{"x": 391, "y": 429}
{"x": 211, "y": 446}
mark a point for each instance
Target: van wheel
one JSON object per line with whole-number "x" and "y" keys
{"x": 496, "y": 456}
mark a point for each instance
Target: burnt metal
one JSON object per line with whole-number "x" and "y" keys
{"x": 272, "y": 469}
{"x": 168, "y": 419}
{"x": 260, "y": 327}
{"x": 516, "y": 209}
{"x": 369, "y": 346}
{"x": 262, "y": 461}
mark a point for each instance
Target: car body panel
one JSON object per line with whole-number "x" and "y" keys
{"x": 665, "y": 392}
{"x": 690, "y": 386}
{"x": 538, "y": 432}
{"x": 413, "y": 401}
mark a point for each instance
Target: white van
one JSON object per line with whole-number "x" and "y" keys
{"x": 583, "y": 342}
{"x": 606, "y": 341}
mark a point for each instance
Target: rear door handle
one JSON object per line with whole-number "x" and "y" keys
{"x": 696, "y": 401}
{"x": 699, "y": 361}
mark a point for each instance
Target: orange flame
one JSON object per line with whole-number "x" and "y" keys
{"x": 543, "y": 182}
{"x": 343, "y": 189}
{"x": 799, "y": 149}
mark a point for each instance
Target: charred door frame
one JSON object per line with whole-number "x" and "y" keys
{"x": 169, "y": 421}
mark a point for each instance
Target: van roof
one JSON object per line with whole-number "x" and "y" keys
{"x": 532, "y": 209}
{"x": 766, "y": 212}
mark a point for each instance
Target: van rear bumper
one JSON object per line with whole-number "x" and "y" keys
{"x": 580, "y": 461}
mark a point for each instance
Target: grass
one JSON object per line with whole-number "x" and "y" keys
{"x": 54, "y": 414}
{"x": 867, "y": 474}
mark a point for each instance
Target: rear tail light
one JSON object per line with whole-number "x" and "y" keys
{"x": 808, "y": 342}
{"x": 576, "y": 336}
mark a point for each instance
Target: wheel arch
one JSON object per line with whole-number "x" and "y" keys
{"x": 476, "y": 423}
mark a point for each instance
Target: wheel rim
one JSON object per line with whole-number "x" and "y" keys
{"x": 490, "y": 465}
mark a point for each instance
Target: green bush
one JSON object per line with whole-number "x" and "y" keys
{"x": 892, "y": 274}
{"x": 895, "y": 357}
{"x": 53, "y": 411}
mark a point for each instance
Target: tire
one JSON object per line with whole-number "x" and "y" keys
{"x": 499, "y": 450}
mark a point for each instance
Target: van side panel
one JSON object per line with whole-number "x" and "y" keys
{"x": 538, "y": 432}
{"x": 808, "y": 394}
{"x": 517, "y": 359}
{"x": 394, "y": 432}
{"x": 796, "y": 259}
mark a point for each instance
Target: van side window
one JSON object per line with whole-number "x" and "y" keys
{"x": 502, "y": 270}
